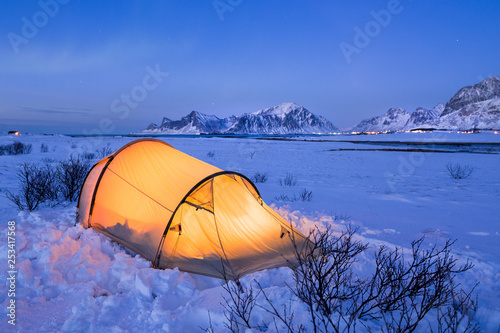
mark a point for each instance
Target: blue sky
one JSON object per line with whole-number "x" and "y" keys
{"x": 72, "y": 66}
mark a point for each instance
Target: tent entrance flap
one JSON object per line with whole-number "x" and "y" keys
{"x": 178, "y": 211}
{"x": 202, "y": 197}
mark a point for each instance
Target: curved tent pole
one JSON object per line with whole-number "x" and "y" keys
{"x": 156, "y": 262}
{"x": 110, "y": 159}
{"x": 94, "y": 194}
{"x": 81, "y": 190}
{"x": 220, "y": 241}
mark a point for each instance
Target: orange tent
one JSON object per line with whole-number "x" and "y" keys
{"x": 178, "y": 211}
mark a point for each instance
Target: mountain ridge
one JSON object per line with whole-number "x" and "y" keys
{"x": 286, "y": 118}
{"x": 487, "y": 89}
{"x": 474, "y": 107}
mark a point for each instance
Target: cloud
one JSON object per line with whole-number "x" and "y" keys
{"x": 68, "y": 111}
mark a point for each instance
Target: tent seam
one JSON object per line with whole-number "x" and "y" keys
{"x": 218, "y": 235}
{"x": 142, "y": 192}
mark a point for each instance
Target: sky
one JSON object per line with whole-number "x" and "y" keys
{"x": 113, "y": 67}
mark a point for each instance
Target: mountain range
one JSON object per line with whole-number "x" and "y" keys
{"x": 286, "y": 118}
{"x": 471, "y": 108}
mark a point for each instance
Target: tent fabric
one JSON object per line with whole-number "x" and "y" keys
{"x": 178, "y": 211}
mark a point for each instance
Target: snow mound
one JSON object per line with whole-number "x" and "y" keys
{"x": 74, "y": 279}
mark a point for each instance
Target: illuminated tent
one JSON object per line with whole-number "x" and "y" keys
{"x": 178, "y": 211}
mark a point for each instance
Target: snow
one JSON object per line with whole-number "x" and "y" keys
{"x": 393, "y": 120}
{"x": 478, "y": 115}
{"x": 424, "y": 118}
{"x": 287, "y": 118}
{"x": 280, "y": 110}
{"x": 73, "y": 279}
{"x": 487, "y": 89}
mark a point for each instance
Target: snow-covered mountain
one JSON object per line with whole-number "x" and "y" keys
{"x": 472, "y": 107}
{"x": 483, "y": 91}
{"x": 287, "y": 118}
{"x": 194, "y": 123}
{"x": 424, "y": 118}
{"x": 392, "y": 120}
{"x": 282, "y": 119}
{"x": 480, "y": 115}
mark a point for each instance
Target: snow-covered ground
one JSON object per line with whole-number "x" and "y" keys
{"x": 72, "y": 279}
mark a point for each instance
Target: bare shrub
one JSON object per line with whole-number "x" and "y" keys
{"x": 260, "y": 177}
{"x": 88, "y": 156}
{"x": 288, "y": 180}
{"x": 457, "y": 316}
{"x": 285, "y": 198}
{"x": 27, "y": 149}
{"x": 458, "y": 171}
{"x": 305, "y": 195}
{"x": 16, "y": 148}
{"x": 210, "y": 328}
{"x": 398, "y": 296}
{"x": 19, "y": 148}
{"x": 324, "y": 281}
{"x": 71, "y": 174}
{"x": 401, "y": 293}
{"x": 104, "y": 152}
{"x": 37, "y": 186}
{"x": 283, "y": 315}
{"x": 44, "y": 148}
{"x": 42, "y": 184}
{"x": 239, "y": 305}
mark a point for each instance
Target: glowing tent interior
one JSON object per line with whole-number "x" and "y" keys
{"x": 178, "y": 211}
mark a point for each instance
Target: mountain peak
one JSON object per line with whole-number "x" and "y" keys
{"x": 197, "y": 114}
{"x": 396, "y": 111}
{"x": 472, "y": 107}
{"x": 286, "y": 118}
{"x": 279, "y": 110}
{"x": 439, "y": 108}
{"x": 393, "y": 120}
{"x": 487, "y": 89}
